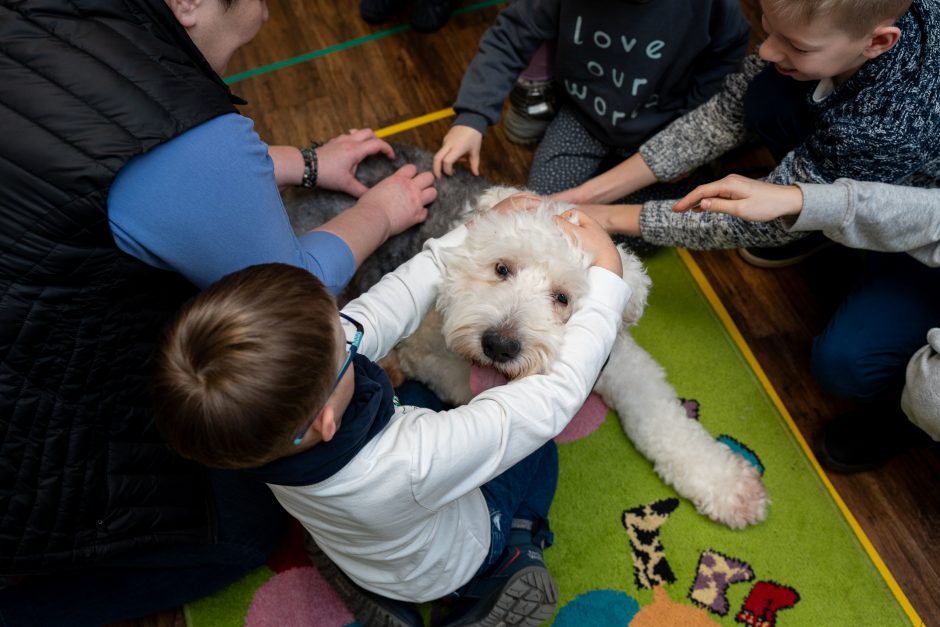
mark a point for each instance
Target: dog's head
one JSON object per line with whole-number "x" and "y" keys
{"x": 511, "y": 287}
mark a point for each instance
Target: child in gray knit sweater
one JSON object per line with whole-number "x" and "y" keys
{"x": 869, "y": 87}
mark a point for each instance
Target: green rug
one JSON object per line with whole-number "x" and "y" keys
{"x": 805, "y": 565}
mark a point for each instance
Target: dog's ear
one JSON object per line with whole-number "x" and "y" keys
{"x": 492, "y": 196}
{"x": 634, "y": 274}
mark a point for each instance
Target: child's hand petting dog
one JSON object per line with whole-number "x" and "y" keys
{"x": 593, "y": 238}
{"x": 521, "y": 201}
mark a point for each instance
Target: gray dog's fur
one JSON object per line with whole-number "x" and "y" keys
{"x": 308, "y": 209}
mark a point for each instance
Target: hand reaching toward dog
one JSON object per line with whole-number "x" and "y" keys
{"x": 394, "y": 204}
{"x": 593, "y": 238}
{"x": 400, "y": 200}
{"x": 459, "y": 142}
{"x": 745, "y": 198}
{"x": 339, "y": 158}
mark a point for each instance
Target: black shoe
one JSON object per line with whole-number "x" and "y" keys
{"x": 517, "y": 590}
{"x": 370, "y": 609}
{"x": 865, "y": 438}
{"x": 531, "y": 108}
{"x": 431, "y": 15}
{"x": 786, "y": 255}
{"x": 378, "y": 11}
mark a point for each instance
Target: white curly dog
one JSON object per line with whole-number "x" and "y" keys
{"x": 504, "y": 300}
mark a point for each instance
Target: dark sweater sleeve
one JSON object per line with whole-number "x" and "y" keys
{"x": 729, "y": 37}
{"x": 505, "y": 51}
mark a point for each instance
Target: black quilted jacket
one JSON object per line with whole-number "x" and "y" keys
{"x": 84, "y": 86}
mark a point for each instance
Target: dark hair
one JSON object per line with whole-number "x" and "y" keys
{"x": 245, "y": 364}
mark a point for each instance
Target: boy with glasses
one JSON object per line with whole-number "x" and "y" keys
{"x": 260, "y": 373}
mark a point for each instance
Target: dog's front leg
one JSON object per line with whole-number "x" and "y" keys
{"x": 721, "y": 484}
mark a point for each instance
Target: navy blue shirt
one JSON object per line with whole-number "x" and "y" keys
{"x": 627, "y": 68}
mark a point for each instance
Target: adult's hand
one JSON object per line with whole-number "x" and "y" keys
{"x": 459, "y": 142}
{"x": 339, "y": 158}
{"x": 391, "y": 206}
{"x": 755, "y": 201}
{"x": 400, "y": 200}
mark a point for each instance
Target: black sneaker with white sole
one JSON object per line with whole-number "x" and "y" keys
{"x": 788, "y": 254}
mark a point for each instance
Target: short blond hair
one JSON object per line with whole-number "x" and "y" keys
{"x": 245, "y": 364}
{"x": 855, "y": 17}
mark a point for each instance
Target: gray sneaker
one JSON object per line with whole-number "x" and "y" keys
{"x": 370, "y": 609}
{"x": 531, "y": 108}
{"x": 518, "y": 591}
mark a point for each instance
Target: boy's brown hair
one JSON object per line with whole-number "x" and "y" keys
{"x": 245, "y": 364}
{"x": 855, "y": 17}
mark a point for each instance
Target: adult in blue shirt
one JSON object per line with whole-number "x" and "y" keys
{"x": 129, "y": 181}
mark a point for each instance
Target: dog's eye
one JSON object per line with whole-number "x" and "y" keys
{"x": 502, "y": 270}
{"x": 561, "y": 298}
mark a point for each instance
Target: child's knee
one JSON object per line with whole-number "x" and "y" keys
{"x": 848, "y": 370}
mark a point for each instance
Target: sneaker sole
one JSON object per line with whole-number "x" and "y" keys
{"x": 522, "y": 131}
{"x": 760, "y": 262}
{"x": 366, "y": 612}
{"x": 527, "y": 599}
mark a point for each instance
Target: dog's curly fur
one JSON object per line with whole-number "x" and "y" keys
{"x": 505, "y": 298}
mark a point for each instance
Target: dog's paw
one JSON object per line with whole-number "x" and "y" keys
{"x": 739, "y": 499}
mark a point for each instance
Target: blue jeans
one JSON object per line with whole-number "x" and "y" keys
{"x": 250, "y": 523}
{"x": 863, "y": 352}
{"x": 523, "y": 492}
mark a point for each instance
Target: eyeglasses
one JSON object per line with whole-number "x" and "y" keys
{"x": 351, "y": 350}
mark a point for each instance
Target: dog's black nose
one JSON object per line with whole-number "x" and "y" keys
{"x": 500, "y": 348}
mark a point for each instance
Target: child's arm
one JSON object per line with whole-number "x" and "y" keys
{"x": 690, "y": 141}
{"x": 505, "y": 50}
{"x": 612, "y": 185}
{"x": 921, "y": 397}
{"x": 460, "y": 141}
{"x": 705, "y": 133}
{"x": 393, "y": 308}
{"x": 729, "y": 33}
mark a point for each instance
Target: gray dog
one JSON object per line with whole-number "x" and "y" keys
{"x": 308, "y": 209}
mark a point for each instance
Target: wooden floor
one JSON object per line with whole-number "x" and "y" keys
{"x": 388, "y": 76}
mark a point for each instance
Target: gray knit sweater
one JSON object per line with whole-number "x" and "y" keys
{"x": 880, "y": 125}
{"x": 889, "y": 218}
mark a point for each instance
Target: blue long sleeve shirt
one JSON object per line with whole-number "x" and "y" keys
{"x": 206, "y": 204}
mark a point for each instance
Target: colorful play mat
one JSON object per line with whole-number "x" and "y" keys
{"x": 628, "y": 551}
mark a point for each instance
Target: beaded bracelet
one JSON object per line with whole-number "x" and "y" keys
{"x": 310, "y": 165}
